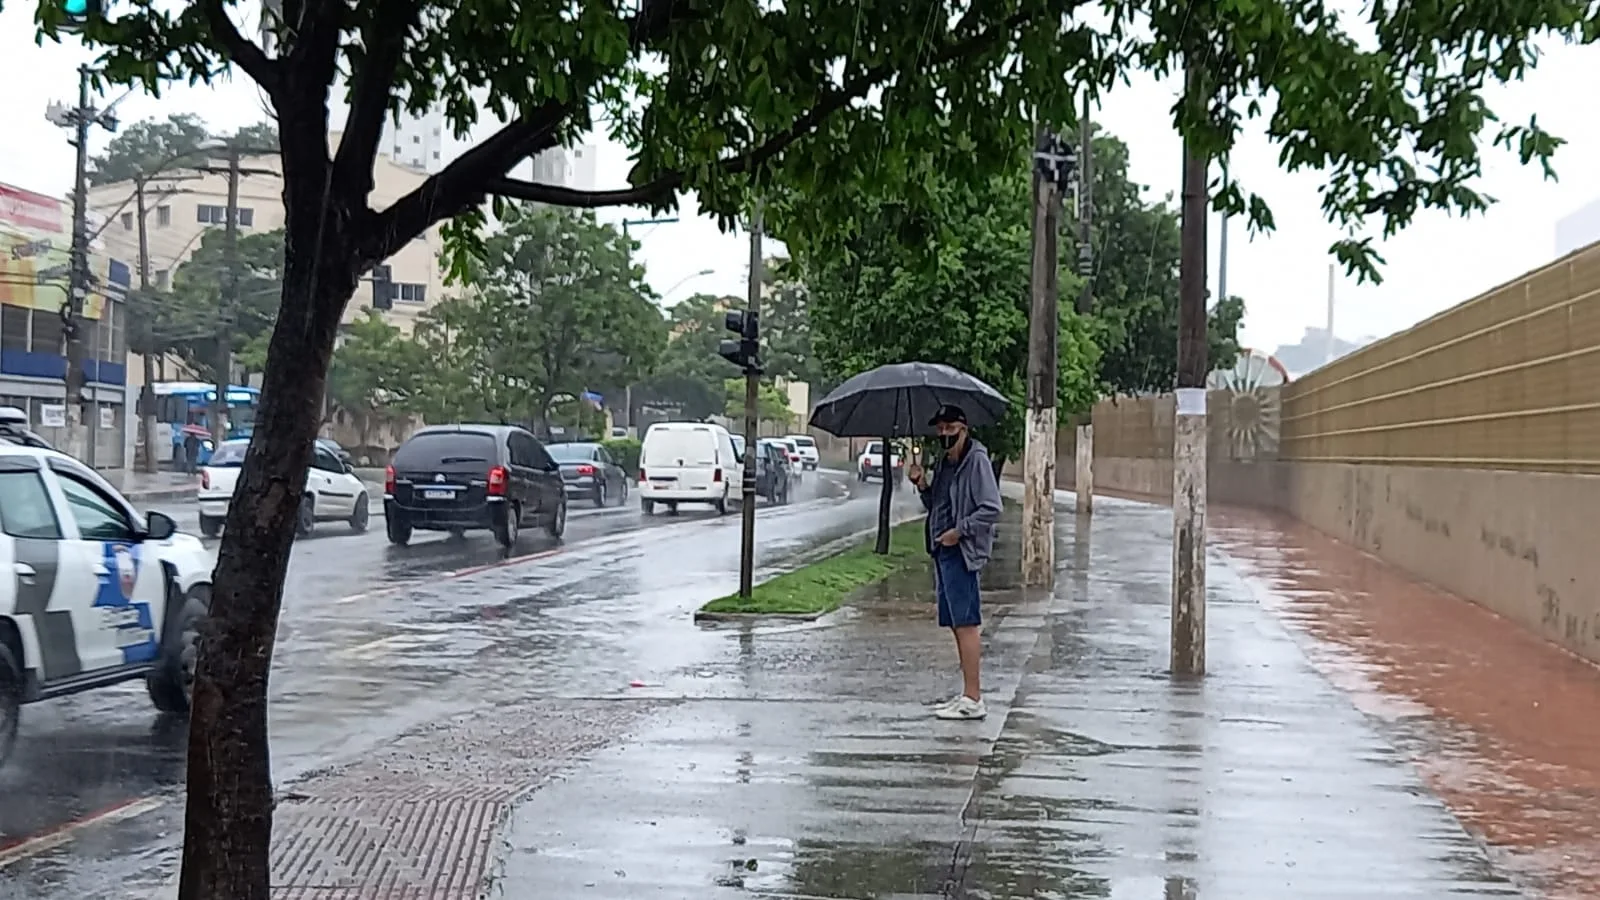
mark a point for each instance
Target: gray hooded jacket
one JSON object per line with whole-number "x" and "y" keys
{"x": 975, "y": 499}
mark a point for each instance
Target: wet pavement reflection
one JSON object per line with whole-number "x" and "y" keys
{"x": 805, "y": 763}
{"x": 1500, "y": 722}
{"x": 376, "y": 641}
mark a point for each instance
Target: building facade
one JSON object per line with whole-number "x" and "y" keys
{"x": 35, "y": 254}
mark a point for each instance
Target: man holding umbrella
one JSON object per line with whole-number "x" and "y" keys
{"x": 963, "y": 503}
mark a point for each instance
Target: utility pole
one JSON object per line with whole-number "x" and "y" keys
{"x": 230, "y": 301}
{"x": 752, "y": 400}
{"x": 1189, "y": 427}
{"x": 1053, "y": 164}
{"x": 1083, "y": 482}
{"x": 147, "y": 415}
{"x": 80, "y": 277}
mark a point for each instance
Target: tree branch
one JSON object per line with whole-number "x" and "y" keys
{"x": 383, "y": 38}
{"x": 243, "y": 52}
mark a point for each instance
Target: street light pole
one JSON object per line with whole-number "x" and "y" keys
{"x": 72, "y": 311}
{"x": 230, "y": 302}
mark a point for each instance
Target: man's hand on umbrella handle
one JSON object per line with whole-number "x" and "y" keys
{"x": 950, "y": 538}
{"x": 914, "y": 472}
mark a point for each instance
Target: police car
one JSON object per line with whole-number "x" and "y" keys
{"x": 91, "y": 593}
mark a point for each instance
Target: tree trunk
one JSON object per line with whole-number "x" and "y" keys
{"x": 228, "y": 820}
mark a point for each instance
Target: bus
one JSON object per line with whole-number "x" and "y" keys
{"x": 179, "y": 403}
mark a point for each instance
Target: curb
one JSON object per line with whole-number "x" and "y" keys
{"x": 703, "y": 617}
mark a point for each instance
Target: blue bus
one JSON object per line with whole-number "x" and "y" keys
{"x": 180, "y": 403}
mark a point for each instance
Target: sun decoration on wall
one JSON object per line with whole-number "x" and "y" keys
{"x": 1254, "y": 409}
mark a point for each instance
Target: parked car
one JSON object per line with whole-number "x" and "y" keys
{"x": 459, "y": 478}
{"x": 796, "y": 461}
{"x": 807, "y": 447}
{"x": 686, "y": 462}
{"x": 94, "y": 593}
{"x": 589, "y": 473}
{"x": 774, "y": 476}
{"x": 870, "y": 463}
{"x": 14, "y": 428}
{"x": 332, "y": 446}
{"x": 333, "y": 492}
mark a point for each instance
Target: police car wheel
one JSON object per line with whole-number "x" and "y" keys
{"x": 210, "y": 526}
{"x": 171, "y": 682}
{"x": 10, "y": 701}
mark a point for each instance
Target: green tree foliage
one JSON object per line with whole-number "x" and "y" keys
{"x": 199, "y": 305}
{"x": 786, "y": 325}
{"x": 375, "y": 374}
{"x": 824, "y": 100}
{"x": 555, "y": 305}
{"x": 1135, "y": 287}
{"x": 150, "y": 145}
{"x": 947, "y": 287}
{"x": 690, "y": 374}
{"x": 772, "y": 404}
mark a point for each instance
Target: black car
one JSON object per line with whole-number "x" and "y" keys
{"x": 460, "y": 477}
{"x": 589, "y": 473}
{"x": 773, "y": 471}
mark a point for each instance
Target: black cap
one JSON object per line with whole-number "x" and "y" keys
{"x": 949, "y": 413}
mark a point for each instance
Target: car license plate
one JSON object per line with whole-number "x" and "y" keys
{"x": 439, "y": 495}
{"x": 134, "y": 637}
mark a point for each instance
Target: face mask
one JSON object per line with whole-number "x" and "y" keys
{"x": 949, "y": 440}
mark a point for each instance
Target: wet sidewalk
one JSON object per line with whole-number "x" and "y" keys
{"x": 806, "y": 765}
{"x": 143, "y": 488}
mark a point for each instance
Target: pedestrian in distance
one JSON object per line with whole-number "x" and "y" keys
{"x": 963, "y": 503}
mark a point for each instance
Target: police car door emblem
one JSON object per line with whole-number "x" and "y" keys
{"x": 127, "y": 570}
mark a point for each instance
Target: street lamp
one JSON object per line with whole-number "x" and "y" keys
{"x": 685, "y": 280}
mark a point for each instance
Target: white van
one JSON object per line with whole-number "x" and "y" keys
{"x": 687, "y": 462}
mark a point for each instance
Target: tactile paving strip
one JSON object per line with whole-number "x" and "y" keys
{"x": 383, "y": 849}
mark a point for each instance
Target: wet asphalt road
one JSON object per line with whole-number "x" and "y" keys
{"x": 368, "y": 635}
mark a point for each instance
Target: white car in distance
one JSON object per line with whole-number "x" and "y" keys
{"x": 333, "y": 492}
{"x": 870, "y": 463}
{"x": 807, "y": 445}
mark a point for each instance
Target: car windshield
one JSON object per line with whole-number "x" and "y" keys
{"x": 433, "y": 448}
{"x": 738, "y": 446}
{"x": 229, "y": 454}
{"x": 571, "y": 452}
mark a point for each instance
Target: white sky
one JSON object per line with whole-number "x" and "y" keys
{"x": 1437, "y": 263}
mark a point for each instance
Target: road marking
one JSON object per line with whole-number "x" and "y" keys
{"x": 446, "y": 576}
{"x": 61, "y": 834}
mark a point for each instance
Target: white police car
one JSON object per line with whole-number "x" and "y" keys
{"x": 91, "y": 593}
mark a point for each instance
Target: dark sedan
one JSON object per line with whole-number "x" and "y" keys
{"x": 589, "y": 473}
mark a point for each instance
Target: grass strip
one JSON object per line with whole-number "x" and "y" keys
{"x": 821, "y": 586}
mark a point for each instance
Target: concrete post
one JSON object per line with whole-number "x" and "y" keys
{"x": 1189, "y": 534}
{"x": 1084, "y": 484}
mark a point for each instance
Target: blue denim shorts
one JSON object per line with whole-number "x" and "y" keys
{"x": 957, "y": 589}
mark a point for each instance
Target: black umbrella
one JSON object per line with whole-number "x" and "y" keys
{"x": 898, "y": 401}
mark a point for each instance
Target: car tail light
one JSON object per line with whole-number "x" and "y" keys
{"x": 205, "y": 479}
{"x": 641, "y": 474}
{"x": 497, "y": 481}
{"x": 586, "y": 469}
{"x": 388, "y": 479}
{"x": 716, "y": 476}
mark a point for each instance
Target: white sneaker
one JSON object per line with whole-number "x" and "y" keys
{"x": 947, "y": 702}
{"x": 964, "y": 707}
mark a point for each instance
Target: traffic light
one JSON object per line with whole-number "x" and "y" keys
{"x": 77, "y": 13}
{"x": 382, "y": 287}
{"x": 745, "y": 352}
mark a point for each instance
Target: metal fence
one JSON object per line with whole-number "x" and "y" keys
{"x": 1508, "y": 380}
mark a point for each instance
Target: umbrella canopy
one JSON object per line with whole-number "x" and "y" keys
{"x": 898, "y": 400}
